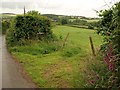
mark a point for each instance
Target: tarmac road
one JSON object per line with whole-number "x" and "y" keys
{"x": 11, "y": 75}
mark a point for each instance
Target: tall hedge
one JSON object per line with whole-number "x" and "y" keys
{"x": 110, "y": 29}
{"x": 27, "y": 27}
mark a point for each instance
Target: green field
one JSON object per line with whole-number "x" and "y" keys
{"x": 92, "y": 20}
{"x": 78, "y": 36}
{"x": 50, "y": 66}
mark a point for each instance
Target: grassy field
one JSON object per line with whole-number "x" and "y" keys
{"x": 50, "y": 66}
{"x": 78, "y": 36}
{"x": 96, "y": 20}
{"x": 93, "y": 20}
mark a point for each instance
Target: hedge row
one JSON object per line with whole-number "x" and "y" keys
{"x": 27, "y": 27}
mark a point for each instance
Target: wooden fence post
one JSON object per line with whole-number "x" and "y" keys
{"x": 92, "y": 46}
{"x": 65, "y": 40}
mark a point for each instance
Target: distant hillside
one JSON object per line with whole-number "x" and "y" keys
{"x": 7, "y": 16}
{"x": 54, "y": 17}
{"x": 9, "y": 13}
{"x": 57, "y": 17}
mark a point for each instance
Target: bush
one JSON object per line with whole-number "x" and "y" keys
{"x": 64, "y": 21}
{"x": 28, "y": 27}
{"x": 90, "y": 27}
{"x": 5, "y": 26}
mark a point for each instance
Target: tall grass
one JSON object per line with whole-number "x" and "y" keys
{"x": 37, "y": 48}
{"x": 96, "y": 72}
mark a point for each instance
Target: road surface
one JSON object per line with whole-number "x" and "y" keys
{"x": 0, "y": 62}
{"x": 11, "y": 75}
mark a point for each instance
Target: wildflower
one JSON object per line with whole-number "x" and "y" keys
{"x": 91, "y": 81}
{"x": 109, "y": 54}
{"x": 106, "y": 60}
{"x": 111, "y": 67}
{"x": 113, "y": 58}
{"x": 110, "y": 46}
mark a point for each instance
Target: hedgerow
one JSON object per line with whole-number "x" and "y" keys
{"x": 31, "y": 26}
{"x": 110, "y": 51}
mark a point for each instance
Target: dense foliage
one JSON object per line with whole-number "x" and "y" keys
{"x": 28, "y": 27}
{"x": 64, "y": 21}
{"x": 109, "y": 28}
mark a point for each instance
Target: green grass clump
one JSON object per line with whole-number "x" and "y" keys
{"x": 37, "y": 48}
{"x": 69, "y": 52}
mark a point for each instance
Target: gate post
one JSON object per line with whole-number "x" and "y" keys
{"x": 92, "y": 46}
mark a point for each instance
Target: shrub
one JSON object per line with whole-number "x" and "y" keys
{"x": 28, "y": 27}
{"x": 64, "y": 21}
{"x": 5, "y": 26}
{"x": 90, "y": 27}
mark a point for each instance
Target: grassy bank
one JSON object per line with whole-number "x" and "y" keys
{"x": 50, "y": 66}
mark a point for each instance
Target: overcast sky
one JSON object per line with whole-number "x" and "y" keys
{"x": 61, "y": 7}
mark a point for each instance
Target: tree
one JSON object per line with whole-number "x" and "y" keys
{"x": 33, "y": 13}
{"x": 64, "y": 21}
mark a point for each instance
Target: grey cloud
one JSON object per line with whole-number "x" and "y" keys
{"x": 13, "y": 5}
{"x": 29, "y": 5}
